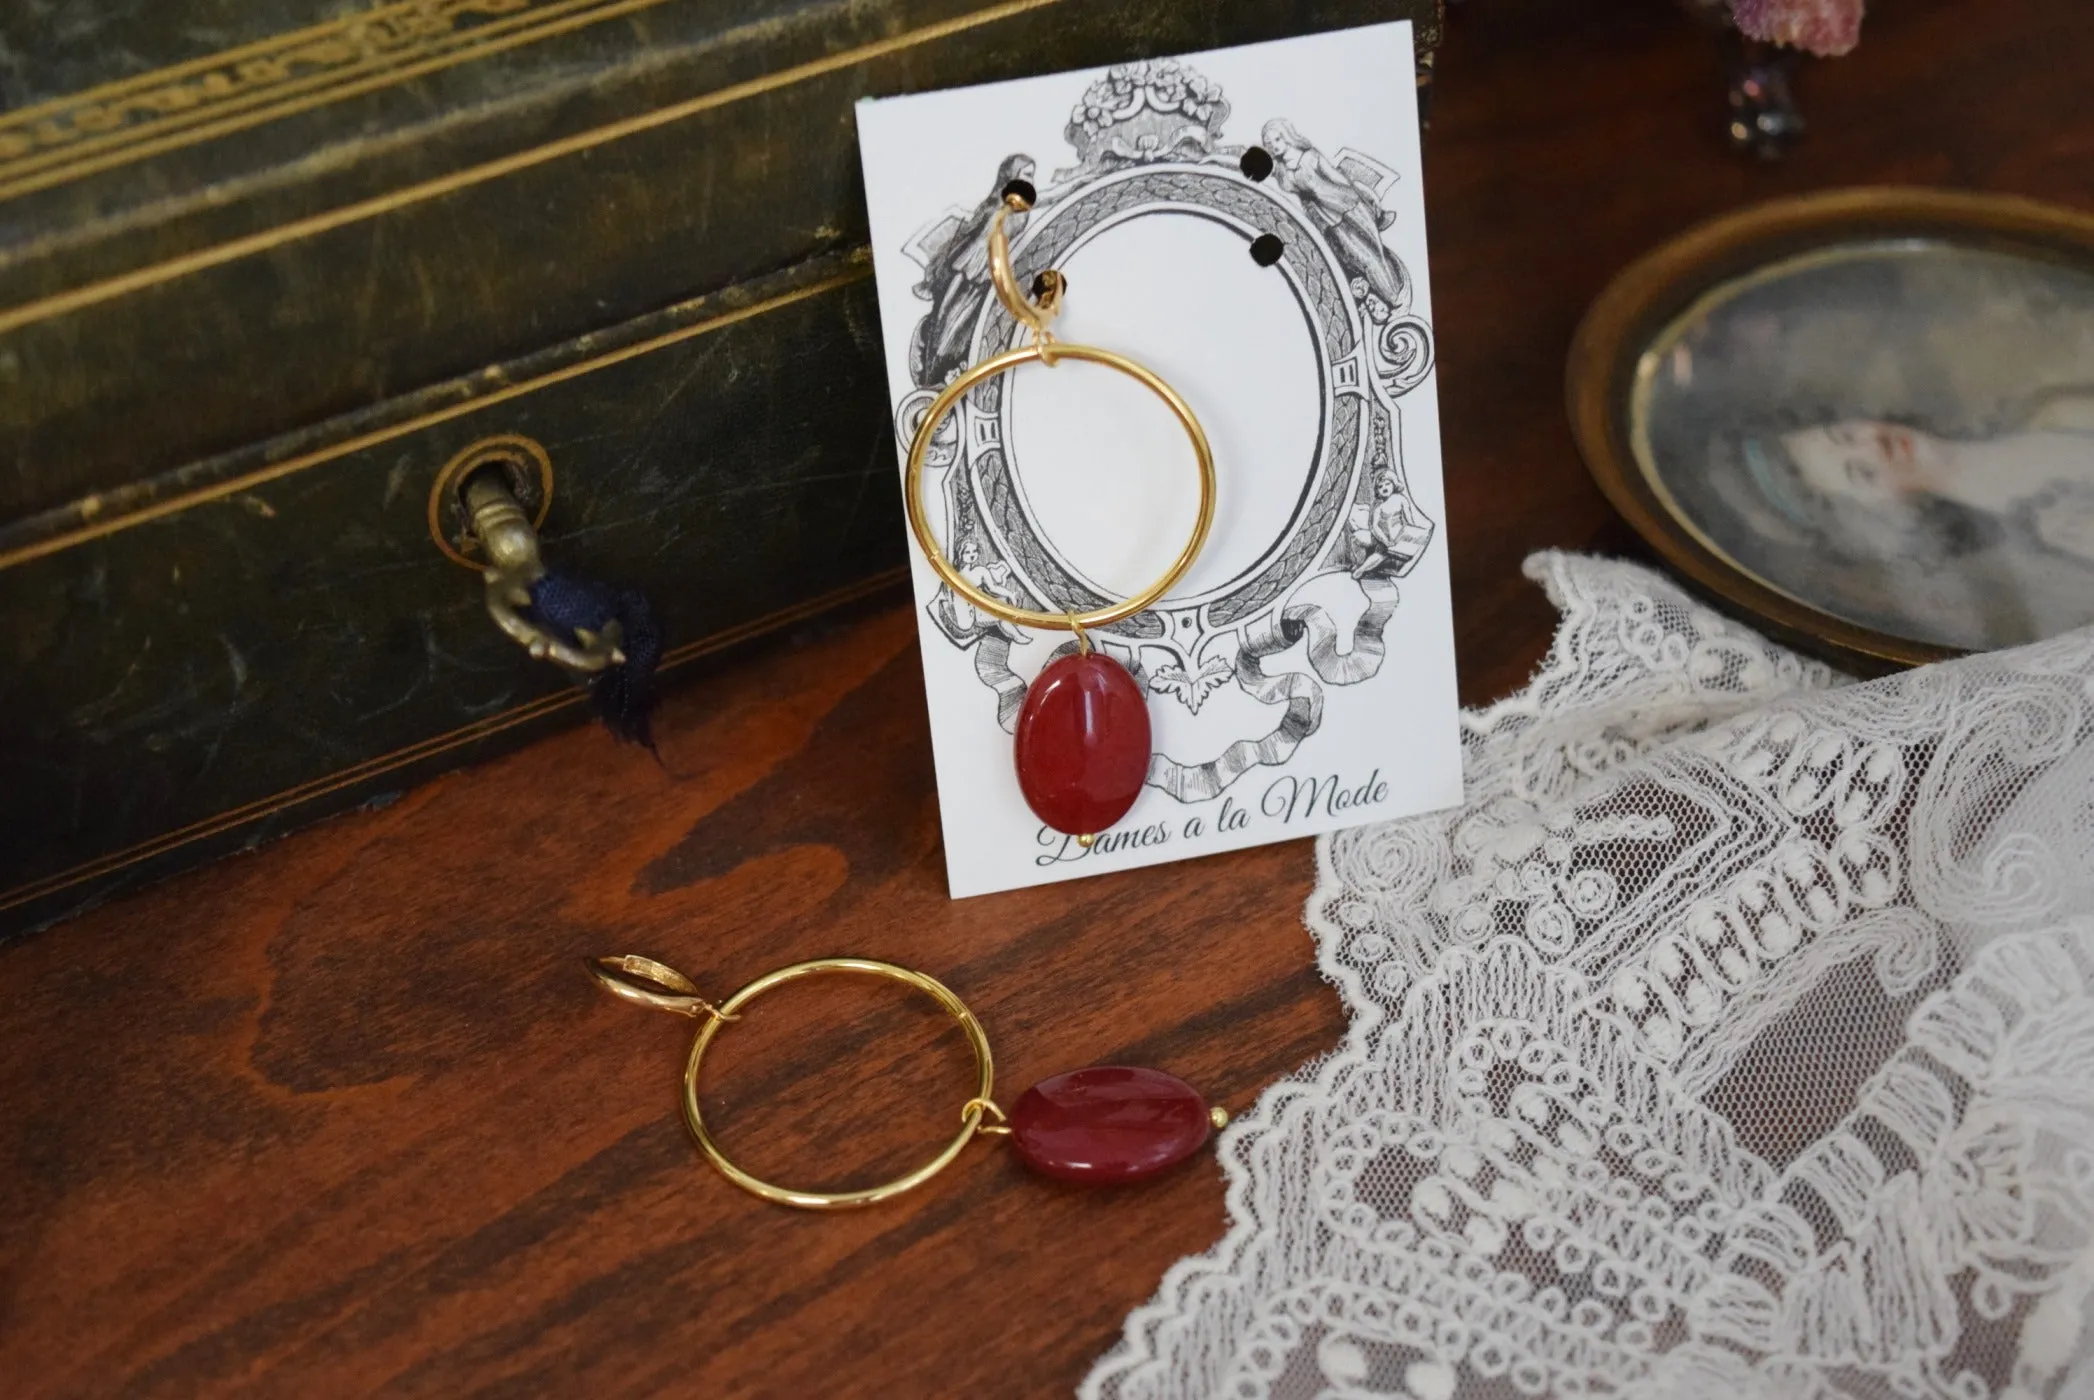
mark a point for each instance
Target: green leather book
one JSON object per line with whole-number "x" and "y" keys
{"x": 266, "y": 267}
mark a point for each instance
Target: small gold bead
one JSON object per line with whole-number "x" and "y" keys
{"x": 1218, "y": 1116}
{"x": 1085, "y": 840}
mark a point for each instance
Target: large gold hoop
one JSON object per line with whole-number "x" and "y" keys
{"x": 1048, "y": 351}
{"x": 971, "y": 1114}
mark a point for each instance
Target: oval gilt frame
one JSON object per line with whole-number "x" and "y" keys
{"x": 1650, "y": 296}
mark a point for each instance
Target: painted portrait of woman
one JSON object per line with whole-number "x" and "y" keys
{"x": 2000, "y": 526}
{"x": 1901, "y": 439}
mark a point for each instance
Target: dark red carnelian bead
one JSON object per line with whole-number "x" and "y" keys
{"x": 1083, "y": 743}
{"x": 1108, "y": 1124}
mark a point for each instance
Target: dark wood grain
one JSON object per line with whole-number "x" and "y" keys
{"x": 345, "y": 1116}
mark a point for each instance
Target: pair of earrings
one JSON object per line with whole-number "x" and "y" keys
{"x": 1082, "y": 751}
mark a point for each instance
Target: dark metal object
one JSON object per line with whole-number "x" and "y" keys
{"x": 1764, "y": 118}
{"x": 1761, "y": 115}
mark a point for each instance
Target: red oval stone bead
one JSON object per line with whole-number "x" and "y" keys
{"x": 1083, "y": 743}
{"x": 1108, "y": 1124}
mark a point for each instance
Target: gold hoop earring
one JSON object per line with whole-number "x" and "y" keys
{"x": 1082, "y": 744}
{"x": 1104, "y": 1125}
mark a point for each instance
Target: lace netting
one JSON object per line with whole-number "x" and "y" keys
{"x": 1735, "y": 1038}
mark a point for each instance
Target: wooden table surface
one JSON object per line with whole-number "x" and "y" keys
{"x": 346, "y": 1115}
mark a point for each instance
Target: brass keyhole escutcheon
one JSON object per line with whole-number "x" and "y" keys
{"x": 529, "y": 469}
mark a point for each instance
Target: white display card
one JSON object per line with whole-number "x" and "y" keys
{"x": 1249, "y": 224}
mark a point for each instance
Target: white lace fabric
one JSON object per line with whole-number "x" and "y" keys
{"x": 1735, "y": 1038}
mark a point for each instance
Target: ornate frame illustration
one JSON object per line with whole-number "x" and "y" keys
{"x": 1148, "y": 141}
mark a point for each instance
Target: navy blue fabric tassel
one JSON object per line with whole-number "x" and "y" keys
{"x": 623, "y": 695}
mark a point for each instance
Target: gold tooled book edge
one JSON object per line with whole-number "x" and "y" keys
{"x": 93, "y": 528}
{"x": 198, "y": 260}
{"x": 68, "y": 138}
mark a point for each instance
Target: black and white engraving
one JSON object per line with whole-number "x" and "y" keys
{"x": 1150, "y": 143}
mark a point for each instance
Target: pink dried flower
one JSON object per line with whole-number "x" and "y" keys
{"x": 1824, "y": 27}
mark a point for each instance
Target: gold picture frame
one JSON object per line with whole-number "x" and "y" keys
{"x": 1636, "y": 323}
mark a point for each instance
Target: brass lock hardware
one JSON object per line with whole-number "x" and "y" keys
{"x": 478, "y": 517}
{"x": 526, "y": 465}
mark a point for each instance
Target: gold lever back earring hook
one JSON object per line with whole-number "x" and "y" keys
{"x": 656, "y": 986}
{"x": 1040, "y": 314}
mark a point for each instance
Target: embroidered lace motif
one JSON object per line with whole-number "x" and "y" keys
{"x": 1736, "y": 1038}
